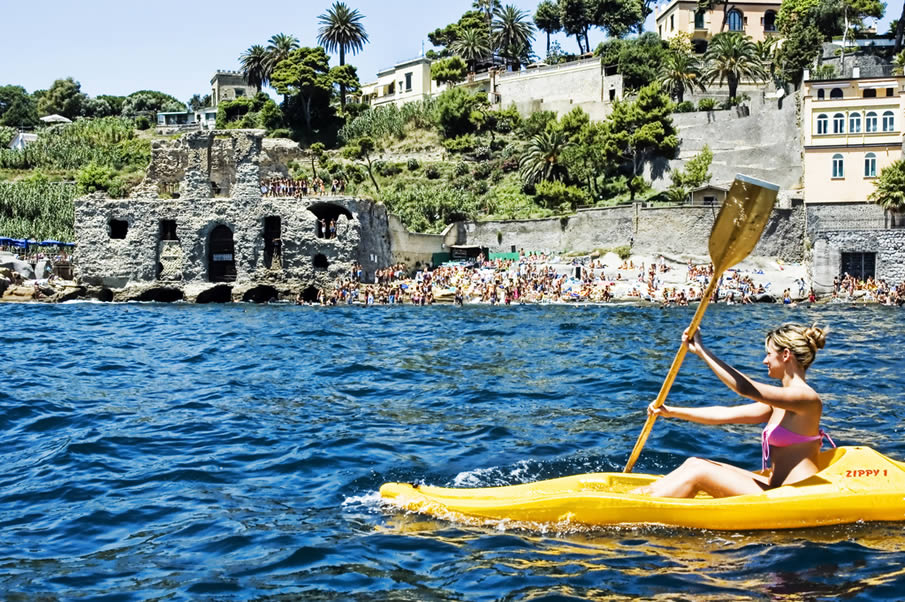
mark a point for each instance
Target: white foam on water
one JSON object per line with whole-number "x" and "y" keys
{"x": 370, "y": 500}
{"x": 493, "y": 476}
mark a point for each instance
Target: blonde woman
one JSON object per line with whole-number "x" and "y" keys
{"x": 792, "y": 410}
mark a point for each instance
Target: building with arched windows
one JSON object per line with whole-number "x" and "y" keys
{"x": 755, "y": 18}
{"x": 852, "y": 128}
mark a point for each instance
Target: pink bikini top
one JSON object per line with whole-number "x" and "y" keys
{"x": 782, "y": 437}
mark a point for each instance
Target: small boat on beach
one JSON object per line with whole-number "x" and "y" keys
{"x": 853, "y": 484}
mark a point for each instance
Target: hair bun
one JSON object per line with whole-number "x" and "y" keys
{"x": 816, "y": 336}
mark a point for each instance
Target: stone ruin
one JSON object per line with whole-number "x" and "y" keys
{"x": 199, "y": 229}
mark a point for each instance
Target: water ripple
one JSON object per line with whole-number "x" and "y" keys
{"x": 234, "y": 452}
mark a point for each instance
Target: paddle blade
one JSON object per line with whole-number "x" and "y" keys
{"x": 741, "y": 220}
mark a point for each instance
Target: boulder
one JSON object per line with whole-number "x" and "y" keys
{"x": 17, "y": 265}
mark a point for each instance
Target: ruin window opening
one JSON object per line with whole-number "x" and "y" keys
{"x": 273, "y": 242}
{"x": 320, "y": 262}
{"x": 168, "y": 229}
{"x": 118, "y": 228}
{"x": 327, "y": 213}
{"x": 221, "y": 255}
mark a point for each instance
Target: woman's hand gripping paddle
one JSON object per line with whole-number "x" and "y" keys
{"x": 735, "y": 233}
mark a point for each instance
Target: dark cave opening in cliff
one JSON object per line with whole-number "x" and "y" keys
{"x": 216, "y": 294}
{"x": 260, "y": 294}
{"x": 162, "y": 295}
{"x": 309, "y": 295}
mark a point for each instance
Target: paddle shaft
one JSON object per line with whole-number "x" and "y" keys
{"x": 674, "y": 369}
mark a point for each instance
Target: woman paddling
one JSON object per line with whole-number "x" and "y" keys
{"x": 792, "y": 412}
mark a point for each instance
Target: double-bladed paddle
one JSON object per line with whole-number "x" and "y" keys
{"x": 735, "y": 232}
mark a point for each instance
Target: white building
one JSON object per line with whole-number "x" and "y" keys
{"x": 22, "y": 140}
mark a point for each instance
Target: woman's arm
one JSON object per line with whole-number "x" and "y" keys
{"x": 786, "y": 398}
{"x": 752, "y": 413}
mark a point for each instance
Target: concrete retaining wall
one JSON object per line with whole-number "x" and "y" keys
{"x": 682, "y": 230}
{"x": 765, "y": 144}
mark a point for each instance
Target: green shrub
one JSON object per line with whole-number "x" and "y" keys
{"x": 96, "y": 178}
{"x": 429, "y": 207}
{"x": 481, "y": 153}
{"x": 431, "y": 172}
{"x": 460, "y": 144}
{"x": 387, "y": 168}
{"x": 454, "y": 108}
{"x": 6, "y": 135}
{"x": 706, "y": 104}
{"x": 461, "y": 168}
{"x": 280, "y": 133}
{"x": 537, "y": 123}
{"x": 483, "y": 170}
{"x": 356, "y": 173}
{"x": 685, "y": 106}
{"x": 558, "y": 196}
{"x": 270, "y": 117}
{"x": 413, "y": 164}
{"x": 142, "y": 123}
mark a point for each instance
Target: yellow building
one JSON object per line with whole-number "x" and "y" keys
{"x": 404, "y": 82}
{"x": 851, "y": 130}
{"x": 756, "y": 18}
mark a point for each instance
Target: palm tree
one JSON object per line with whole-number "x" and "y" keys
{"x": 680, "y": 73}
{"x": 766, "y": 52}
{"x": 278, "y": 49}
{"x": 899, "y": 64}
{"x": 731, "y": 57}
{"x": 541, "y": 161}
{"x": 889, "y": 188}
{"x": 512, "y": 32}
{"x": 255, "y": 63}
{"x": 341, "y": 29}
{"x": 473, "y": 46}
{"x": 487, "y": 8}
{"x": 547, "y": 19}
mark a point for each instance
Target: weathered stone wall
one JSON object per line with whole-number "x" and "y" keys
{"x": 415, "y": 249}
{"x": 211, "y": 164}
{"x": 764, "y": 144}
{"x": 118, "y": 263}
{"x": 169, "y": 160}
{"x": 683, "y": 230}
{"x": 838, "y": 228}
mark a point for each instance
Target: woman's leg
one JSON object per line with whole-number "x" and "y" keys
{"x": 714, "y": 478}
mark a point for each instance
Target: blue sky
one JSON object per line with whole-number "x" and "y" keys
{"x": 118, "y": 47}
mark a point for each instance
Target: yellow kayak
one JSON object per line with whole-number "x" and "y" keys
{"x": 854, "y": 484}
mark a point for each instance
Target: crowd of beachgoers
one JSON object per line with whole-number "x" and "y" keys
{"x": 288, "y": 187}
{"x": 541, "y": 278}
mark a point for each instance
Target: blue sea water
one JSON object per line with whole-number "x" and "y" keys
{"x": 234, "y": 452}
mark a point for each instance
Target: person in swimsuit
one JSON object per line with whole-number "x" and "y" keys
{"x": 792, "y": 410}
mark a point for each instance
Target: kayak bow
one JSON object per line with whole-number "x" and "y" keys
{"x": 854, "y": 484}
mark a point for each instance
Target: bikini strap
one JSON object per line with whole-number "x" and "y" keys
{"x": 823, "y": 434}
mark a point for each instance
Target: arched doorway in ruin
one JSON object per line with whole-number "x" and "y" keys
{"x": 221, "y": 255}
{"x": 325, "y": 214}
